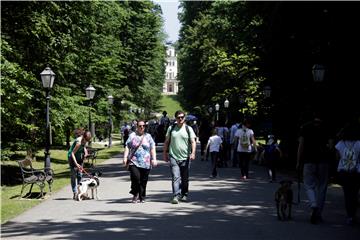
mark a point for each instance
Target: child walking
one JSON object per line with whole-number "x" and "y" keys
{"x": 272, "y": 155}
{"x": 214, "y": 144}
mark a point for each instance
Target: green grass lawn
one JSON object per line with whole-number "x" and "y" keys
{"x": 170, "y": 105}
{"x": 11, "y": 206}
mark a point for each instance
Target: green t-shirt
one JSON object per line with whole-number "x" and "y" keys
{"x": 79, "y": 153}
{"x": 180, "y": 148}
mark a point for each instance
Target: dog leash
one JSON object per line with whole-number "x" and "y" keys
{"x": 83, "y": 170}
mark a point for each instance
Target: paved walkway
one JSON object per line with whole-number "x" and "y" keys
{"x": 224, "y": 208}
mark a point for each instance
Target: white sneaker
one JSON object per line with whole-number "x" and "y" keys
{"x": 174, "y": 200}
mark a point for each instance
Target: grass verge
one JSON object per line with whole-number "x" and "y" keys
{"x": 170, "y": 105}
{"x": 12, "y": 206}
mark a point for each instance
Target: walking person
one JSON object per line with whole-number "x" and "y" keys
{"x": 214, "y": 145}
{"x": 139, "y": 157}
{"x": 125, "y": 132}
{"x": 234, "y": 144}
{"x": 204, "y": 135}
{"x": 315, "y": 142}
{"x": 76, "y": 155}
{"x": 223, "y": 133}
{"x": 165, "y": 120}
{"x": 272, "y": 155}
{"x": 246, "y": 146}
{"x": 348, "y": 154}
{"x": 163, "y": 126}
{"x": 179, "y": 149}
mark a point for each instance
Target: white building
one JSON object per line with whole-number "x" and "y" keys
{"x": 171, "y": 84}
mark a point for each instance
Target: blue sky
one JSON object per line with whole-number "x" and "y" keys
{"x": 171, "y": 21}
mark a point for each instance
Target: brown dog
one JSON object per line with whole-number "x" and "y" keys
{"x": 284, "y": 199}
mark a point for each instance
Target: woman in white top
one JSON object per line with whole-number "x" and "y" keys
{"x": 246, "y": 145}
{"x": 348, "y": 153}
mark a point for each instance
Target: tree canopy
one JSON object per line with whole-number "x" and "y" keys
{"x": 219, "y": 53}
{"x": 117, "y": 46}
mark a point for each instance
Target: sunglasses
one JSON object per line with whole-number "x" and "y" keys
{"x": 180, "y": 117}
{"x": 141, "y": 126}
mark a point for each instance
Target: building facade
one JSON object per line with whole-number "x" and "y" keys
{"x": 171, "y": 84}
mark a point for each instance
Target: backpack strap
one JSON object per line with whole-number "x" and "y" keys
{"x": 136, "y": 148}
{"x": 189, "y": 139}
{"x": 171, "y": 130}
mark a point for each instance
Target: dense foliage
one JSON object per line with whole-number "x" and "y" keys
{"x": 117, "y": 46}
{"x": 219, "y": 53}
{"x": 233, "y": 49}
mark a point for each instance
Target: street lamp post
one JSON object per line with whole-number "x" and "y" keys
{"x": 210, "y": 110}
{"x": 90, "y": 93}
{"x": 268, "y": 109}
{"x": 110, "y": 101}
{"x": 217, "y": 108}
{"x": 267, "y": 94}
{"x": 319, "y": 71}
{"x": 47, "y": 78}
{"x": 267, "y": 91}
{"x": 241, "y": 101}
{"x": 226, "y": 106}
{"x": 122, "y": 103}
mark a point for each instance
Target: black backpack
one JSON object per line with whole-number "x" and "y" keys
{"x": 271, "y": 153}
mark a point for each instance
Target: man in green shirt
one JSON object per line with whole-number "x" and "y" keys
{"x": 179, "y": 148}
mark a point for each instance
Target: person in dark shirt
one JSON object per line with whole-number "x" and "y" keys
{"x": 315, "y": 142}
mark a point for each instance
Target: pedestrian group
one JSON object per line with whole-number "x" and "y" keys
{"x": 237, "y": 144}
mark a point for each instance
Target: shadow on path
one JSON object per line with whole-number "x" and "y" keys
{"x": 223, "y": 208}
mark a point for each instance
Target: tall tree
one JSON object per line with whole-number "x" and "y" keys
{"x": 219, "y": 54}
{"x": 117, "y": 46}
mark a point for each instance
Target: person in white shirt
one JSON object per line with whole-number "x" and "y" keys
{"x": 214, "y": 145}
{"x": 246, "y": 145}
{"x": 348, "y": 154}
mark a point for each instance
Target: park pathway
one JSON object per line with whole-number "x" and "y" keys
{"x": 224, "y": 208}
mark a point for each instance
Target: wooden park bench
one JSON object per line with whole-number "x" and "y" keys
{"x": 31, "y": 176}
{"x": 92, "y": 152}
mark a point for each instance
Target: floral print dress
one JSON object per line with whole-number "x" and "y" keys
{"x": 142, "y": 157}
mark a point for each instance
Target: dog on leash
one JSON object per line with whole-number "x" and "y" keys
{"x": 89, "y": 183}
{"x": 284, "y": 200}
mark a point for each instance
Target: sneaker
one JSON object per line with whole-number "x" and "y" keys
{"x": 212, "y": 176}
{"x": 174, "y": 200}
{"x": 134, "y": 199}
{"x": 74, "y": 196}
{"x": 183, "y": 198}
{"x": 142, "y": 201}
